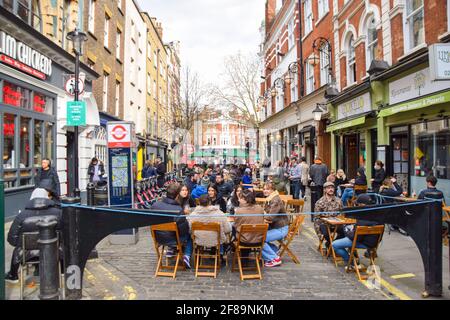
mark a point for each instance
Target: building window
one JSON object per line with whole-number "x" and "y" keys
{"x": 351, "y": 61}
{"x": 294, "y": 88}
{"x": 155, "y": 124}
{"x": 291, "y": 34}
{"x": 372, "y": 42}
{"x": 324, "y": 65}
{"x": 414, "y": 24}
{"x": 91, "y": 18}
{"x": 105, "y": 91}
{"x": 106, "y": 38}
{"x": 118, "y": 43}
{"x": 278, "y": 6}
{"x": 309, "y": 78}
{"x": 155, "y": 59}
{"x": 117, "y": 99}
{"x": 323, "y": 8}
{"x": 27, "y": 10}
{"x": 307, "y": 5}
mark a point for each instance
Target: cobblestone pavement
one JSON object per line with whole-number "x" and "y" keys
{"x": 134, "y": 267}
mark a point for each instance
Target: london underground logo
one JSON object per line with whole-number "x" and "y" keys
{"x": 119, "y": 132}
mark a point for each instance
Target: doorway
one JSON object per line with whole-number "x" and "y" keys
{"x": 400, "y": 158}
{"x": 351, "y": 159}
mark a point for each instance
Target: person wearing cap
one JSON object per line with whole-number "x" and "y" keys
{"x": 328, "y": 203}
{"x": 341, "y": 246}
{"x": 41, "y": 203}
{"x": 247, "y": 179}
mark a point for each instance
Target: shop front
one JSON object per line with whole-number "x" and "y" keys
{"x": 415, "y": 129}
{"x": 33, "y": 109}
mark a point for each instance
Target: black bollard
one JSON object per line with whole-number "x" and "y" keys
{"x": 314, "y": 197}
{"x": 48, "y": 259}
{"x": 90, "y": 193}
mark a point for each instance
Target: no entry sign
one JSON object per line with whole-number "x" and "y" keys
{"x": 119, "y": 135}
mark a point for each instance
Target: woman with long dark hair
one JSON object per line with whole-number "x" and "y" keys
{"x": 215, "y": 200}
{"x": 185, "y": 200}
{"x": 233, "y": 202}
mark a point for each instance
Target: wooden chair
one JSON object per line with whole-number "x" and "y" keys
{"x": 354, "y": 257}
{"x": 201, "y": 252}
{"x": 446, "y": 211}
{"x": 293, "y": 230}
{"x": 295, "y": 206}
{"x": 254, "y": 248}
{"x": 357, "y": 190}
{"x": 161, "y": 251}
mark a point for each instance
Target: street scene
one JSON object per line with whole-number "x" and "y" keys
{"x": 226, "y": 150}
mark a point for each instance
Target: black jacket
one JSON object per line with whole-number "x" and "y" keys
{"x": 91, "y": 170}
{"x": 378, "y": 179}
{"x": 221, "y": 203}
{"x": 225, "y": 189}
{"x": 50, "y": 175}
{"x": 392, "y": 192}
{"x": 319, "y": 174}
{"x": 161, "y": 170}
{"x": 183, "y": 226}
{"x": 35, "y": 207}
{"x": 369, "y": 241}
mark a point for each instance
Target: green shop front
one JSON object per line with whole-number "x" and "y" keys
{"x": 414, "y": 127}
{"x": 354, "y": 131}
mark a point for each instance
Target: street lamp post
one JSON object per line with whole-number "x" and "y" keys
{"x": 77, "y": 37}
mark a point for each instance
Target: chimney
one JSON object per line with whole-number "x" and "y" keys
{"x": 271, "y": 6}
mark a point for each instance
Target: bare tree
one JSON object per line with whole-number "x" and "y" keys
{"x": 240, "y": 88}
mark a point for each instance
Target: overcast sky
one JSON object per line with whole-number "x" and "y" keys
{"x": 209, "y": 29}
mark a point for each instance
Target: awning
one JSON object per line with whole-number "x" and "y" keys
{"x": 416, "y": 104}
{"x": 346, "y": 124}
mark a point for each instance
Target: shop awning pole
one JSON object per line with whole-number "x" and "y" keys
{"x": 2, "y": 241}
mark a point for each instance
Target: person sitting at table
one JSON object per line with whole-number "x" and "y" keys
{"x": 328, "y": 203}
{"x": 341, "y": 179}
{"x": 215, "y": 200}
{"x": 207, "y": 213}
{"x": 361, "y": 180}
{"x": 278, "y": 225}
{"x": 185, "y": 200}
{"x": 247, "y": 179}
{"x": 233, "y": 202}
{"x": 431, "y": 188}
{"x": 248, "y": 212}
{"x": 341, "y": 246}
{"x": 389, "y": 190}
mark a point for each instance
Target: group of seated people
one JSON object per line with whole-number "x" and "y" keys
{"x": 212, "y": 207}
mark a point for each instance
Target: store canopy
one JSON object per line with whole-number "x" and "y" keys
{"x": 346, "y": 124}
{"x": 416, "y": 104}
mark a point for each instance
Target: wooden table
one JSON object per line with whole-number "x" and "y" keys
{"x": 261, "y": 200}
{"x": 405, "y": 199}
{"x": 332, "y": 224}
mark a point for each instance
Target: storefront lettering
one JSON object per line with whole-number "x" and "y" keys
{"x": 355, "y": 106}
{"x": 25, "y": 55}
{"x": 439, "y": 54}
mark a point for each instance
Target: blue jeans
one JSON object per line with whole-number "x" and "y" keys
{"x": 296, "y": 188}
{"x": 346, "y": 195}
{"x": 341, "y": 245}
{"x": 269, "y": 251}
{"x": 187, "y": 241}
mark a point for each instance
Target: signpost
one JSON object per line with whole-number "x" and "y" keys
{"x": 121, "y": 149}
{"x": 76, "y": 113}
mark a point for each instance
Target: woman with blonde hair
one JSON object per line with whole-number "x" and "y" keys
{"x": 341, "y": 179}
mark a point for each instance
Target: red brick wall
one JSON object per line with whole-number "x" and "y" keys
{"x": 397, "y": 38}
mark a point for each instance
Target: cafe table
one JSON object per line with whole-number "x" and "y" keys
{"x": 332, "y": 224}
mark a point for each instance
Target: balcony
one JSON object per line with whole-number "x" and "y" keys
{"x": 27, "y": 10}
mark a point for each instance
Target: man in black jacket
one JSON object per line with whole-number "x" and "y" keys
{"x": 169, "y": 203}
{"x": 161, "y": 171}
{"x": 46, "y": 172}
{"x": 40, "y": 204}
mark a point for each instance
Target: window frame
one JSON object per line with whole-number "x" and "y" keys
{"x": 118, "y": 44}
{"x": 309, "y": 75}
{"x": 106, "y": 31}
{"x": 308, "y": 16}
{"x": 351, "y": 61}
{"x": 321, "y": 5}
{"x": 91, "y": 16}
{"x": 105, "y": 91}
{"x": 408, "y": 26}
{"x": 324, "y": 67}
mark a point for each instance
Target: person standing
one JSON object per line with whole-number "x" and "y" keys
{"x": 161, "y": 171}
{"x": 304, "y": 172}
{"x": 266, "y": 168}
{"x": 46, "y": 172}
{"x": 295, "y": 176}
{"x": 96, "y": 170}
{"x": 319, "y": 173}
{"x": 379, "y": 176}
{"x": 149, "y": 170}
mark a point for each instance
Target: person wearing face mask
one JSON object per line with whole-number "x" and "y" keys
{"x": 379, "y": 176}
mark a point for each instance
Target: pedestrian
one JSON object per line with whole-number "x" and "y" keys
{"x": 295, "y": 176}
{"x": 266, "y": 168}
{"x": 96, "y": 170}
{"x": 319, "y": 173}
{"x": 379, "y": 176}
{"x": 149, "y": 170}
{"x": 161, "y": 171}
{"x": 206, "y": 212}
{"x": 278, "y": 225}
{"x": 41, "y": 203}
{"x": 304, "y": 172}
{"x": 215, "y": 199}
{"x": 47, "y": 172}
{"x": 328, "y": 203}
{"x": 171, "y": 206}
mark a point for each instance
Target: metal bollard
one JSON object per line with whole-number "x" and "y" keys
{"x": 48, "y": 259}
{"x": 90, "y": 193}
{"x": 314, "y": 197}
{"x": 2, "y": 242}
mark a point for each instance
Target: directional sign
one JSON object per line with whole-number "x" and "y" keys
{"x": 76, "y": 113}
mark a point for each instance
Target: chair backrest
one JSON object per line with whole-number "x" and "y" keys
{"x": 370, "y": 230}
{"x": 168, "y": 227}
{"x": 296, "y": 223}
{"x": 297, "y": 204}
{"x": 260, "y": 229}
{"x": 286, "y": 198}
{"x": 30, "y": 241}
{"x": 205, "y": 226}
